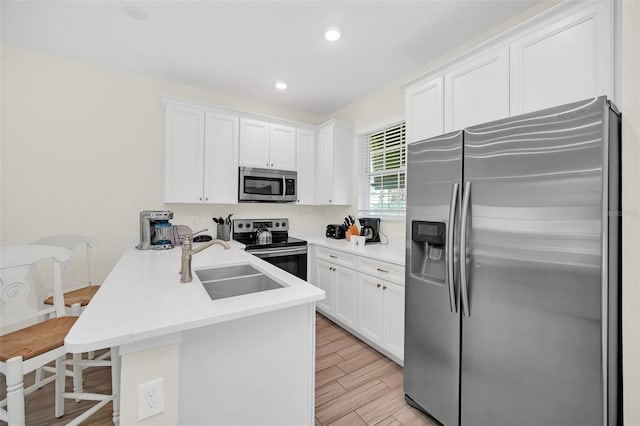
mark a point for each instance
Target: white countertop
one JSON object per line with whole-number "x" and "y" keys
{"x": 393, "y": 252}
{"x": 142, "y": 298}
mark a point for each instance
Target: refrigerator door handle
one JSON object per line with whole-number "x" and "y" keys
{"x": 463, "y": 249}
{"x": 450, "y": 244}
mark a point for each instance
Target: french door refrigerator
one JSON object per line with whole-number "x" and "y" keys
{"x": 512, "y": 272}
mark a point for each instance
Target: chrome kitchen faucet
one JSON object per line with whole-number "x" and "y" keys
{"x": 188, "y": 252}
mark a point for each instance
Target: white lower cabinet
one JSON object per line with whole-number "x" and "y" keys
{"x": 326, "y": 281}
{"x": 381, "y": 313}
{"x": 393, "y": 314}
{"x": 339, "y": 284}
{"x": 368, "y": 306}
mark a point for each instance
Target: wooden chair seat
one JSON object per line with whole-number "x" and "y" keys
{"x": 81, "y": 296}
{"x": 35, "y": 340}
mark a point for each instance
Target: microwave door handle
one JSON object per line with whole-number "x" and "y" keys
{"x": 284, "y": 187}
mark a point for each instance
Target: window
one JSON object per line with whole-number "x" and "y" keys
{"x": 382, "y": 172}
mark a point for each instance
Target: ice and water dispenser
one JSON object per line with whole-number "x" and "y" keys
{"x": 428, "y": 259}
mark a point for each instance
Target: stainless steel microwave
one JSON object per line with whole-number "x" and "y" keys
{"x": 267, "y": 185}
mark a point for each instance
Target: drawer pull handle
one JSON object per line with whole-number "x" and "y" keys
{"x": 382, "y": 270}
{"x": 379, "y": 285}
{"x": 335, "y": 257}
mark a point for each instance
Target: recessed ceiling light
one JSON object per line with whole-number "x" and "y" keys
{"x": 332, "y": 34}
{"x": 281, "y": 85}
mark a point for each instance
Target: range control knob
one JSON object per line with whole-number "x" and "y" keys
{"x": 284, "y": 224}
{"x": 277, "y": 224}
{"x": 240, "y": 225}
{"x": 248, "y": 225}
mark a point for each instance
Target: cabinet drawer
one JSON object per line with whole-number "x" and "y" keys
{"x": 336, "y": 257}
{"x": 383, "y": 270}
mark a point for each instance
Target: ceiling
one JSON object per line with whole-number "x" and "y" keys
{"x": 243, "y": 47}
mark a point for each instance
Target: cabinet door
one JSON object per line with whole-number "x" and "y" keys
{"x": 326, "y": 280}
{"x": 370, "y": 308}
{"x": 325, "y": 177}
{"x": 282, "y": 147}
{"x": 184, "y": 162}
{"x": 306, "y": 166}
{"x": 221, "y": 159}
{"x": 254, "y": 143}
{"x": 394, "y": 319}
{"x": 566, "y": 61}
{"x": 425, "y": 110}
{"x": 345, "y": 295}
{"x": 477, "y": 91}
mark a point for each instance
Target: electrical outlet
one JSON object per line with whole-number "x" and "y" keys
{"x": 150, "y": 398}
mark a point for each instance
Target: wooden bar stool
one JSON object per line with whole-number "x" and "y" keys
{"x": 26, "y": 343}
{"x": 76, "y": 298}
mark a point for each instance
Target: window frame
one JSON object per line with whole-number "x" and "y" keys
{"x": 365, "y": 175}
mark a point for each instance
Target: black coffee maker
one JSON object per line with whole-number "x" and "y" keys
{"x": 370, "y": 228}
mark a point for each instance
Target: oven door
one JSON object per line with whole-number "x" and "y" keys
{"x": 292, "y": 259}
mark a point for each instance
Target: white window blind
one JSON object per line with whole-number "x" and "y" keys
{"x": 382, "y": 172}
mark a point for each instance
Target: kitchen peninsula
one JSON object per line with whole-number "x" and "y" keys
{"x": 240, "y": 360}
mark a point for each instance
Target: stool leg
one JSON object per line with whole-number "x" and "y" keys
{"x": 77, "y": 375}
{"x": 115, "y": 383}
{"x": 15, "y": 391}
{"x": 59, "y": 389}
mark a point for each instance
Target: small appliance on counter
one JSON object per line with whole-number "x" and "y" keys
{"x": 370, "y": 228}
{"x": 269, "y": 240}
{"x": 155, "y": 230}
{"x": 336, "y": 231}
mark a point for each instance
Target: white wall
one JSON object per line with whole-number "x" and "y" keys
{"x": 82, "y": 152}
{"x": 630, "y": 107}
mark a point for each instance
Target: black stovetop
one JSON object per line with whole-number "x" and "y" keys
{"x": 279, "y": 240}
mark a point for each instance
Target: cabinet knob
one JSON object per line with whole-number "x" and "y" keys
{"x": 329, "y": 200}
{"x": 206, "y": 199}
{"x": 379, "y": 285}
{"x": 384, "y": 287}
{"x": 200, "y": 199}
{"x": 271, "y": 164}
{"x": 267, "y": 164}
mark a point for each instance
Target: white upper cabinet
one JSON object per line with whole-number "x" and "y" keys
{"x": 201, "y": 156}
{"x": 267, "y": 145}
{"x": 254, "y": 143}
{"x": 564, "y": 55}
{"x": 306, "y": 163}
{"x": 184, "y": 144}
{"x": 477, "y": 91}
{"x": 335, "y": 163}
{"x": 282, "y": 147}
{"x": 425, "y": 110}
{"x": 220, "y": 158}
{"x": 567, "y": 60}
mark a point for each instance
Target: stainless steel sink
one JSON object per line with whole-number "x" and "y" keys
{"x": 226, "y": 272}
{"x": 233, "y": 281}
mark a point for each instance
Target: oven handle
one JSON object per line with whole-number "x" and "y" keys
{"x": 277, "y": 252}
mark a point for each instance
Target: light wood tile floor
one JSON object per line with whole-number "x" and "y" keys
{"x": 355, "y": 386}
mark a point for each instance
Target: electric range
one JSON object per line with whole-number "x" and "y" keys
{"x": 283, "y": 251}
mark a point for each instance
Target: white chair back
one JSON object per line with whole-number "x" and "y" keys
{"x": 73, "y": 242}
{"x": 19, "y": 303}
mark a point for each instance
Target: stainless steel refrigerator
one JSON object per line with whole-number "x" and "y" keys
{"x": 513, "y": 270}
